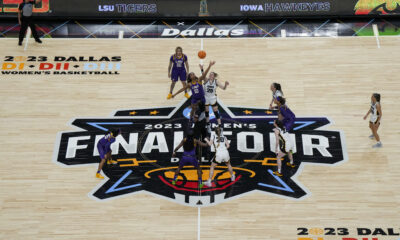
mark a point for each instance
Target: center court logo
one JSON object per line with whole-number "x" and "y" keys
{"x": 143, "y": 152}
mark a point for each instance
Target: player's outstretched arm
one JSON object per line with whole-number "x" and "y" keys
{"x": 201, "y": 143}
{"x": 203, "y": 76}
{"x": 181, "y": 90}
{"x": 202, "y": 72}
{"x": 223, "y": 87}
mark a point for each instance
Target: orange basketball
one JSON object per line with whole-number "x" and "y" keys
{"x": 202, "y": 54}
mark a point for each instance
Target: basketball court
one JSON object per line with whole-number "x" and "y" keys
{"x": 330, "y": 78}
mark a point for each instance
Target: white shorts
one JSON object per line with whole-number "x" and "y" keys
{"x": 373, "y": 118}
{"x": 211, "y": 100}
{"x": 288, "y": 147}
{"x": 222, "y": 157}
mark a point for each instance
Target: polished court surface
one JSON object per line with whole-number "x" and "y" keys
{"x": 324, "y": 77}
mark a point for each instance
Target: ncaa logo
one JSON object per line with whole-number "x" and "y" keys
{"x": 148, "y": 137}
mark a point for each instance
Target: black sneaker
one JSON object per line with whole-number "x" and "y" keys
{"x": 38, "y": 40}
{"x": 19, "y": 43}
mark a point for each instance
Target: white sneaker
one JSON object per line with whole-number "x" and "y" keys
{"x": 208, "y": 183}
{"x": 371, "y": 136}
{"x": 233, "y": 177}
{"x": 377, "y": 145}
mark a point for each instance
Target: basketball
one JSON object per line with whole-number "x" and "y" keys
{"x": 202, "y": 54}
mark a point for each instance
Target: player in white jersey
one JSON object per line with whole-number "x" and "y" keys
{"x": 210, "y": 91}
{"x": 284, "y": 145}
{"x": 375, "y": 120}
{"x": 276, "y": 92}
{"x": 221, "y": 146}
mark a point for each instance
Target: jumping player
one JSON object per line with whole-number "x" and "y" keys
{"x": 196, "y": 86}
{"x": 210, "y": 85}
{"x": 178, "y": 62}
{"x": 189, "y": 156}
{"x": 221, "y": 146}
{"x": 285, "y": 114}
{"x": 375, "y": 120}
{"x": 104, "y": 148}
{"x": 276, "y": 92}
{"x": 284, "y": 145}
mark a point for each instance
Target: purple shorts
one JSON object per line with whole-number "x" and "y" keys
{"x": 188, "y": 160}
{"x": 103, "y": 150}
{"x": 181, "y": 74}
{"x": 195, "y": 100}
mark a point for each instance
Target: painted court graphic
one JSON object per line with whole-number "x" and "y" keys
{"x": 144, "y": 149}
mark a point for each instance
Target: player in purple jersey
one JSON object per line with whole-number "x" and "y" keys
{"x": 177, "y": 63}
{"x": 104, "y": 148}
{"x": 196, "y": 86}
{"x": 189, "y": 156}
{"x": 285, "y": 114}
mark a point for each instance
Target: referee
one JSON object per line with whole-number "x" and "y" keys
{"x": 25, "y": 19}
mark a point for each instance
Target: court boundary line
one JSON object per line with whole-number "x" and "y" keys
{"x": 235, "y": 38}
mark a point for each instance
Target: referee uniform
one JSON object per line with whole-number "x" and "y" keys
{"x": 26, "y": 20}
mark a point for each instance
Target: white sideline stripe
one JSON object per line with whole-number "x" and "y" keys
{"x": 198, "y": 223}
{"x": 121, "y": 34}
{"x": 376, "y": 34}
{"x": 28, "y": 35}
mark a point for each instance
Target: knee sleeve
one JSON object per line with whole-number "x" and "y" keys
{"x": 216, "y": 113}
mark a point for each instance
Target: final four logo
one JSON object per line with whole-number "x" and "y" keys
{"x": 144, "y": 149}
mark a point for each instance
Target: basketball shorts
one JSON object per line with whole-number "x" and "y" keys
{"x": 211, "y": 101}
{"x": 188, "y": 160}
{"x": 178, "y": 74}
{"x": 221, "y": 157}
{"x": 374, "y": 119}
{"x": 103, "y": 150}
{"x": 286, "y": 147}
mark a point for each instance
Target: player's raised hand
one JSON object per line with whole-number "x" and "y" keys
{"x": 212, "y": 63}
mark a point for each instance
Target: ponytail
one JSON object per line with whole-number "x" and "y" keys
{"x": 377, "y": 96}
{"x": 278, "y": 87}
{"x": 281, "y": 100}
